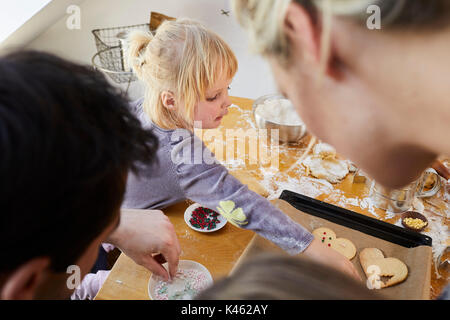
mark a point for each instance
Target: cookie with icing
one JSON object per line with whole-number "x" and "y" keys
{"x": 342, "y": 245}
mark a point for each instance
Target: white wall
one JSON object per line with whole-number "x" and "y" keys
{"x": 252, "y": 80}
{"x": 14, "y": 14}
{"x": 23, "y": 21}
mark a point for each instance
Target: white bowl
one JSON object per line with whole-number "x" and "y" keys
{"x": 179, "y": 284}
{"x": 286, "y": 133}
{"x": 188, "y": 213}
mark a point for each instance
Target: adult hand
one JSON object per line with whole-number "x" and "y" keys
{"x": 145, "y": 236}
{"x": 325, "y": 255}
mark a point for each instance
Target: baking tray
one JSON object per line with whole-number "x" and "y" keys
{"x": 356, "y": 221}
{"x": 411, "y": 248}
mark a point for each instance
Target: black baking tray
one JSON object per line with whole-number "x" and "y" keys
{"x": 356, "y": 221}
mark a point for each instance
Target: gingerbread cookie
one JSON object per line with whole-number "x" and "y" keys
{"x": 375, "y": 266}
{"x": 341, "y": 245}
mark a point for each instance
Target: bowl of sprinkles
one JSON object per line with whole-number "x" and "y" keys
{"x": 414, "y": 221}
{"x": 191, "y": 278}
{"x": 203, "y": 219}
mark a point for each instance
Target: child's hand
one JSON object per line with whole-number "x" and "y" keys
{"x": 148, "y": 237}
{"x": 322, "y": 254}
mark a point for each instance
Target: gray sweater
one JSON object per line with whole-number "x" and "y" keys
{"x": 182, "y": 173}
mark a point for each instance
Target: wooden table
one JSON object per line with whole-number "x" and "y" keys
{"x": 219, "y": 251}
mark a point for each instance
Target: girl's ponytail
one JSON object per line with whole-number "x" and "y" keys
{"x": 137, "y": 44}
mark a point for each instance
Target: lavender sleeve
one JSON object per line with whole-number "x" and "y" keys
{"x": 204, "y": 180}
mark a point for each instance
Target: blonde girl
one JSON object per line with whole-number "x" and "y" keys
{"x": 187, "y": 70}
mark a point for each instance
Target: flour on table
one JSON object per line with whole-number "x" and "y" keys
{"x": 245, "y": 114}
{"x": 303, "y": 185}
{"x": 369, "y": 205}
{"x": 352, "y": 201}
{"x": 233, "y": 163}
{"x": 418, "y": 205}
{"x": 438, "y": 231}
{"x": 446, "y": 190}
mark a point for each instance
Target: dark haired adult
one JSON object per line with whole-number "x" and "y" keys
{"x": 67, "y": 142}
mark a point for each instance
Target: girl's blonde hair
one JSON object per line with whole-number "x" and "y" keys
{"x": 182, "y": 57}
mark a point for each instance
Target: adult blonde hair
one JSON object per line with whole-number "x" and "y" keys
{"x": 264, "y": 19}
{"x": 182, "y": 57}
{"x": 274, "y": 276}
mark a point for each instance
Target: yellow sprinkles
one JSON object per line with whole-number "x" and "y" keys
{"x": 415, "y": 223}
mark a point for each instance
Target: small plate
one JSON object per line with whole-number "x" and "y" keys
{"x": 179, "y": 284}
{"x": 188, "y": 213}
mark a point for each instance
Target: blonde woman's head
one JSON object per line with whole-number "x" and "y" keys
{"x": 367, "y": 91}
{"x": 265, "y": 20}
{"x": 182, "y": 65}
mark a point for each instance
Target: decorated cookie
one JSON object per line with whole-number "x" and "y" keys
{"x": 325, "y": 235}
{"x": 341, "y": 245}
{"x": 376, "y": 266}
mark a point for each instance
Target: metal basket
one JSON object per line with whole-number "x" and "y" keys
{"x": 110, "y": 57}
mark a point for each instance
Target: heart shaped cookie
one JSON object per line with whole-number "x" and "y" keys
{"x": 375, "y": 266}
{"x": 341, "y": 245}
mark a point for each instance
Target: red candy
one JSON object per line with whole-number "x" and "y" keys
{"x": 204, "y": 218}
